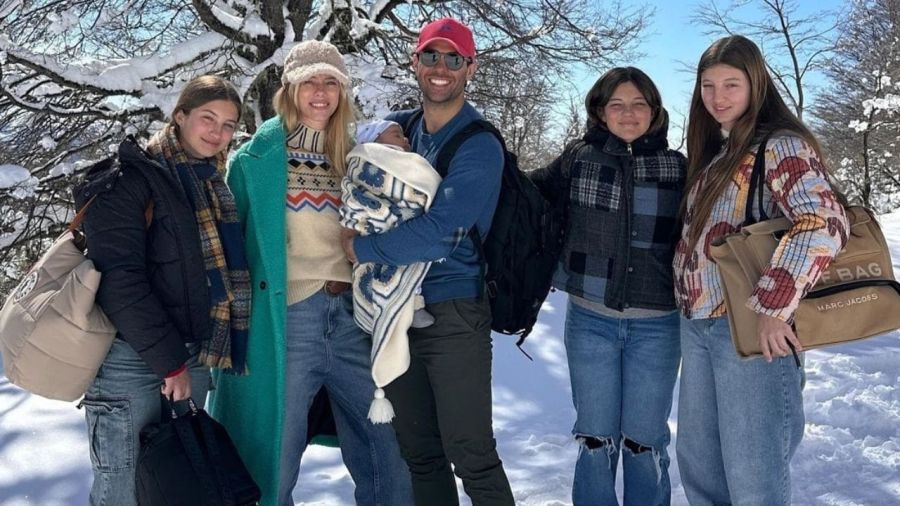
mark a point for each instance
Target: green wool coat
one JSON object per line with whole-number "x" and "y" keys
{"x": 252, "y": 407}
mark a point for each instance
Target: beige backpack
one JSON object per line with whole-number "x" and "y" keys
{"x": 53, "y": 337}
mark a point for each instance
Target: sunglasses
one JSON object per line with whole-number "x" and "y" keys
{"x": 453, "y": 61}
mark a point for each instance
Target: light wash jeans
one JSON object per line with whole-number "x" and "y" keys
{"x": 623, "y": 373}
{"x": 122, "y": 400}
{"x": 739, "y": 421}
{"x": 325, "y": 347}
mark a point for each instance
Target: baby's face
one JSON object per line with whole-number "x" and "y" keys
{"x": 394, "y": 136}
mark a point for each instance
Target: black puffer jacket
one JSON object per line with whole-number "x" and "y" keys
{"x": 153, "y": 285}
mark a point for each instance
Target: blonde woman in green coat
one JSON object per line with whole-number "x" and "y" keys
{"x": 286, "y": 182}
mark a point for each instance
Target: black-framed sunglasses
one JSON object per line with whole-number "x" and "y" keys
{"x": 453, "y": 61}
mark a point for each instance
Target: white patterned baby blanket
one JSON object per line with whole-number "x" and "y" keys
{"x": 385, "y": 186}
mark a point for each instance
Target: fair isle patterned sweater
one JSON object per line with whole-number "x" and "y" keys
{"x": 312, "y": 217}
{"x": 796, "y": 187}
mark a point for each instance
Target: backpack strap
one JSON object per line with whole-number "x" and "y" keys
{"x": 445, "y": 156}
{"x": 757, "y": 182}
{"x": 411, "y": 120}
{"x": 79, "y": 217}
{"x": 448, "y": 150}
{"x": 206, "y": 430}
{"x": 187, "y": 433}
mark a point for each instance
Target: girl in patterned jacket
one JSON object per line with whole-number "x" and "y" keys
{"x": 620, "y": 186}
{"x": 740, "y": 421}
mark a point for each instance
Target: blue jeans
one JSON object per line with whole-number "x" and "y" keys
{"x": 739, "y": 421}
{"x": 623, "y": 373}
{"x": 122, "y": 400}
{"x": 325, "y": 347}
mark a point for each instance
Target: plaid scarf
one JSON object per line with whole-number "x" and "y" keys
{"x": 222, "y": 244}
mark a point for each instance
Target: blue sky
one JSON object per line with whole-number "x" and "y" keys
{"x": 673, "y": 37}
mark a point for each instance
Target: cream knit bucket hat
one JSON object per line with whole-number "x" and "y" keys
{"x": 312, "y": 57}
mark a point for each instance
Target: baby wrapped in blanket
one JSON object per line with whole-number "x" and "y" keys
{"x": 386, "y": 185}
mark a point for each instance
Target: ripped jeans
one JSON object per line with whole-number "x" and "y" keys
{"x": 623, "y": 375}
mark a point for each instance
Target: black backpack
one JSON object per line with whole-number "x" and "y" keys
{"x": 523, "y": 247}
{"x": 189, "y": 460}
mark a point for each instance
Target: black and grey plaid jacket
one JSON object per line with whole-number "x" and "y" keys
{"x": 621, "y": 204}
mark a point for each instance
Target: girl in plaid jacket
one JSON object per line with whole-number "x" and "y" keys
{"x": 621, "y": 187}
{"x": 740, "y": 421}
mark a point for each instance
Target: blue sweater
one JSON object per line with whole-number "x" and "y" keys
{"x": 466, "y": 197}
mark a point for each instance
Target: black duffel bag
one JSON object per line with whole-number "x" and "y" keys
{"x": 189, "y": 460}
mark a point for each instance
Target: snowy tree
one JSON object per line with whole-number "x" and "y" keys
{"x": 794, "y": 45}
{"x": 858, "y": 117}
{"x": 528, "y": 120}
{"x": 76, "y": 76}
{"x": 575, "y": 119}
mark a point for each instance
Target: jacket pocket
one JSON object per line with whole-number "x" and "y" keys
{"x": 596, "y": 186}
{"x": 109, "y": 434}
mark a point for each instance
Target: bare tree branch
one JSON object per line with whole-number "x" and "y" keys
{"x": 76, "y": 76}
{"x": 793, "y": 45}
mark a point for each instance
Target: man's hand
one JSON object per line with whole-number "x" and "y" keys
{"x": 178, "y": 388}
{"x": 774, "y": 335}
{"x": 347, "y": 236}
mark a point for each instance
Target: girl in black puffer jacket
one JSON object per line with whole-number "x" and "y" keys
{"x": 162, "y": 229}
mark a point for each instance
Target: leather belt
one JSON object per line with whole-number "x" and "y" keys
{"x": 335, "y": 288}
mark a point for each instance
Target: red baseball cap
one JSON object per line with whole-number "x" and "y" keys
{"x": 451, "y": 31}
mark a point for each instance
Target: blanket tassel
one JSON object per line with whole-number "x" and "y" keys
{"x": 381, "y": 410}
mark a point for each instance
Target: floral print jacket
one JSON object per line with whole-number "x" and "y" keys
{"x": 796, "y": 187}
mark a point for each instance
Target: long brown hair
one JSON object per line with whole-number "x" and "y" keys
{"x": 765, "y": 114}
{"x": 606, "y": 85}
{"x": 202, "y": 90}
{"x": 337, "y": 135}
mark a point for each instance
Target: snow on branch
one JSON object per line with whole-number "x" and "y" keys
{"x": 225, "y": 21}
{"x": 889, "y": 104}
{"x": 250, "y": 24}
{"x": 119, "y": 76}
{"x": 78, "y": 75}
{"x": 8, "y": 6}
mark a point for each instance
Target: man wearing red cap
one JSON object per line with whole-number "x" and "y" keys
{"x": 443, "y": 401}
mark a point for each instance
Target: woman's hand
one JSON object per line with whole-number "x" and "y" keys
{"x": 774, "y": 336}
{"x": 347, "y": 236}
{"x": 178, "y": 387}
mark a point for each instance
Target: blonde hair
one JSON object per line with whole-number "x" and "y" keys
{"x": 338, "y": 141}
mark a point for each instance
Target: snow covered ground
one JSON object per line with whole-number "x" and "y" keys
{"x": 850, "y": 455}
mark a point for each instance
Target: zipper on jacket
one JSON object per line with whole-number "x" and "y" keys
{"x": 629, "y": 223}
